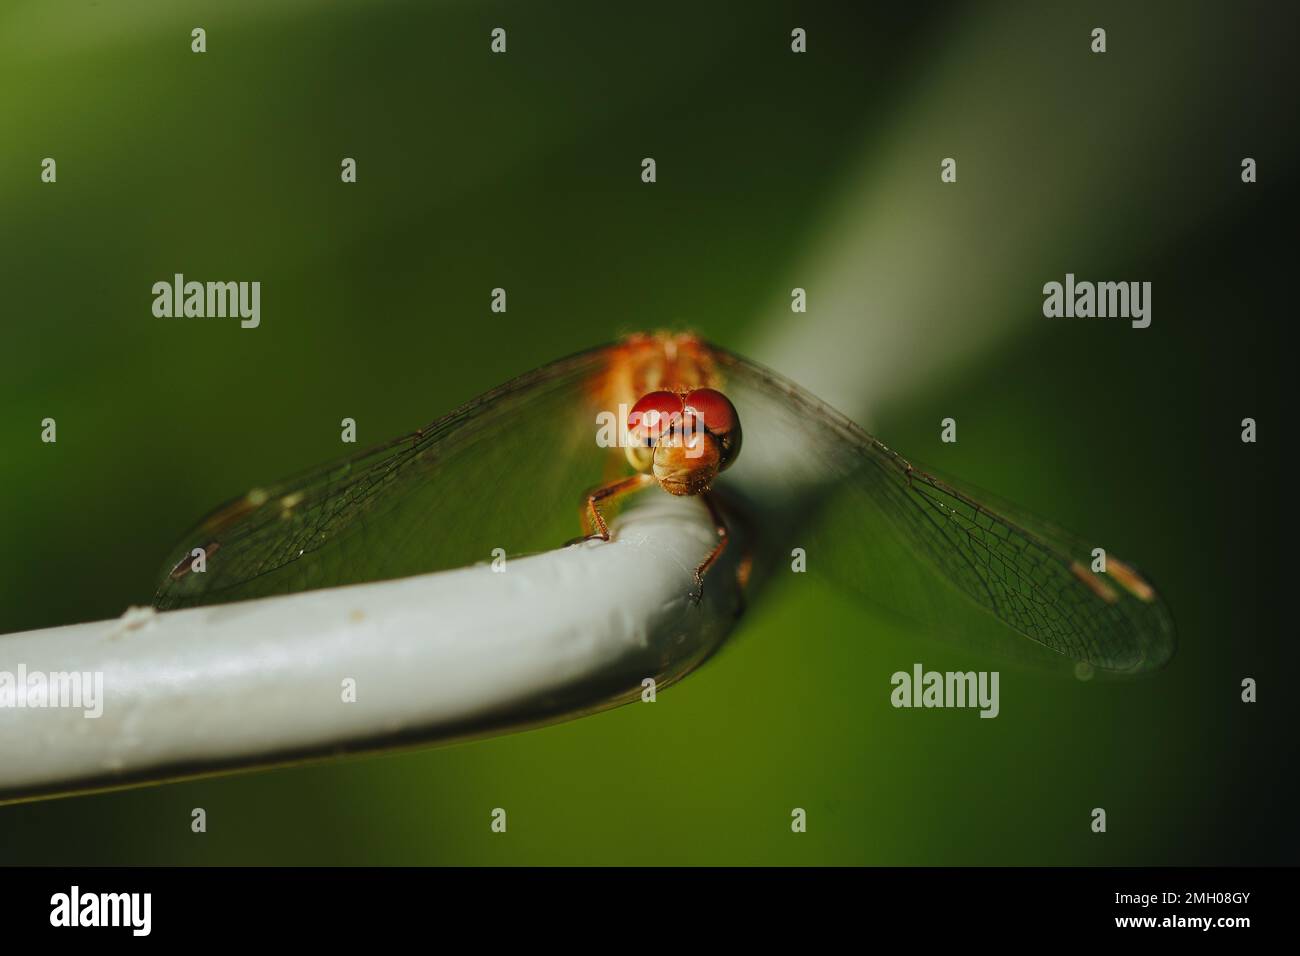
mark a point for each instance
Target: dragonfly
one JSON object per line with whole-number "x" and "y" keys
{"x": 496, "y": 472}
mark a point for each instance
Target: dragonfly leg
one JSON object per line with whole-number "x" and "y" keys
{"x": 719, "y": 525}
{"x": 593, "y": 520}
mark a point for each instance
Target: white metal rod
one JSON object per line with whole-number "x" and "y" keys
{"x": 433, "y": 657}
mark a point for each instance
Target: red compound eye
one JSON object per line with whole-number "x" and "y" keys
{"x": 653, "y": 416}
{"x": 720, "y": 419}
{"x": 715, "y": 408}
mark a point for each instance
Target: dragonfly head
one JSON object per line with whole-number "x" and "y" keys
{"x": 683, "y": 438}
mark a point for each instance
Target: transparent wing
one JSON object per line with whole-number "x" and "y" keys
{"x": 926, "y": 548}
{"x": 508, "y": 469}
{"x": 525, "y": 450}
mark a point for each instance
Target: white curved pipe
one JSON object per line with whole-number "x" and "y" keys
{"x": 432, "y": 657}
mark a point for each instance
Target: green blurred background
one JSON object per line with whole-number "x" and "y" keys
{"x": 522, "y": 171}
